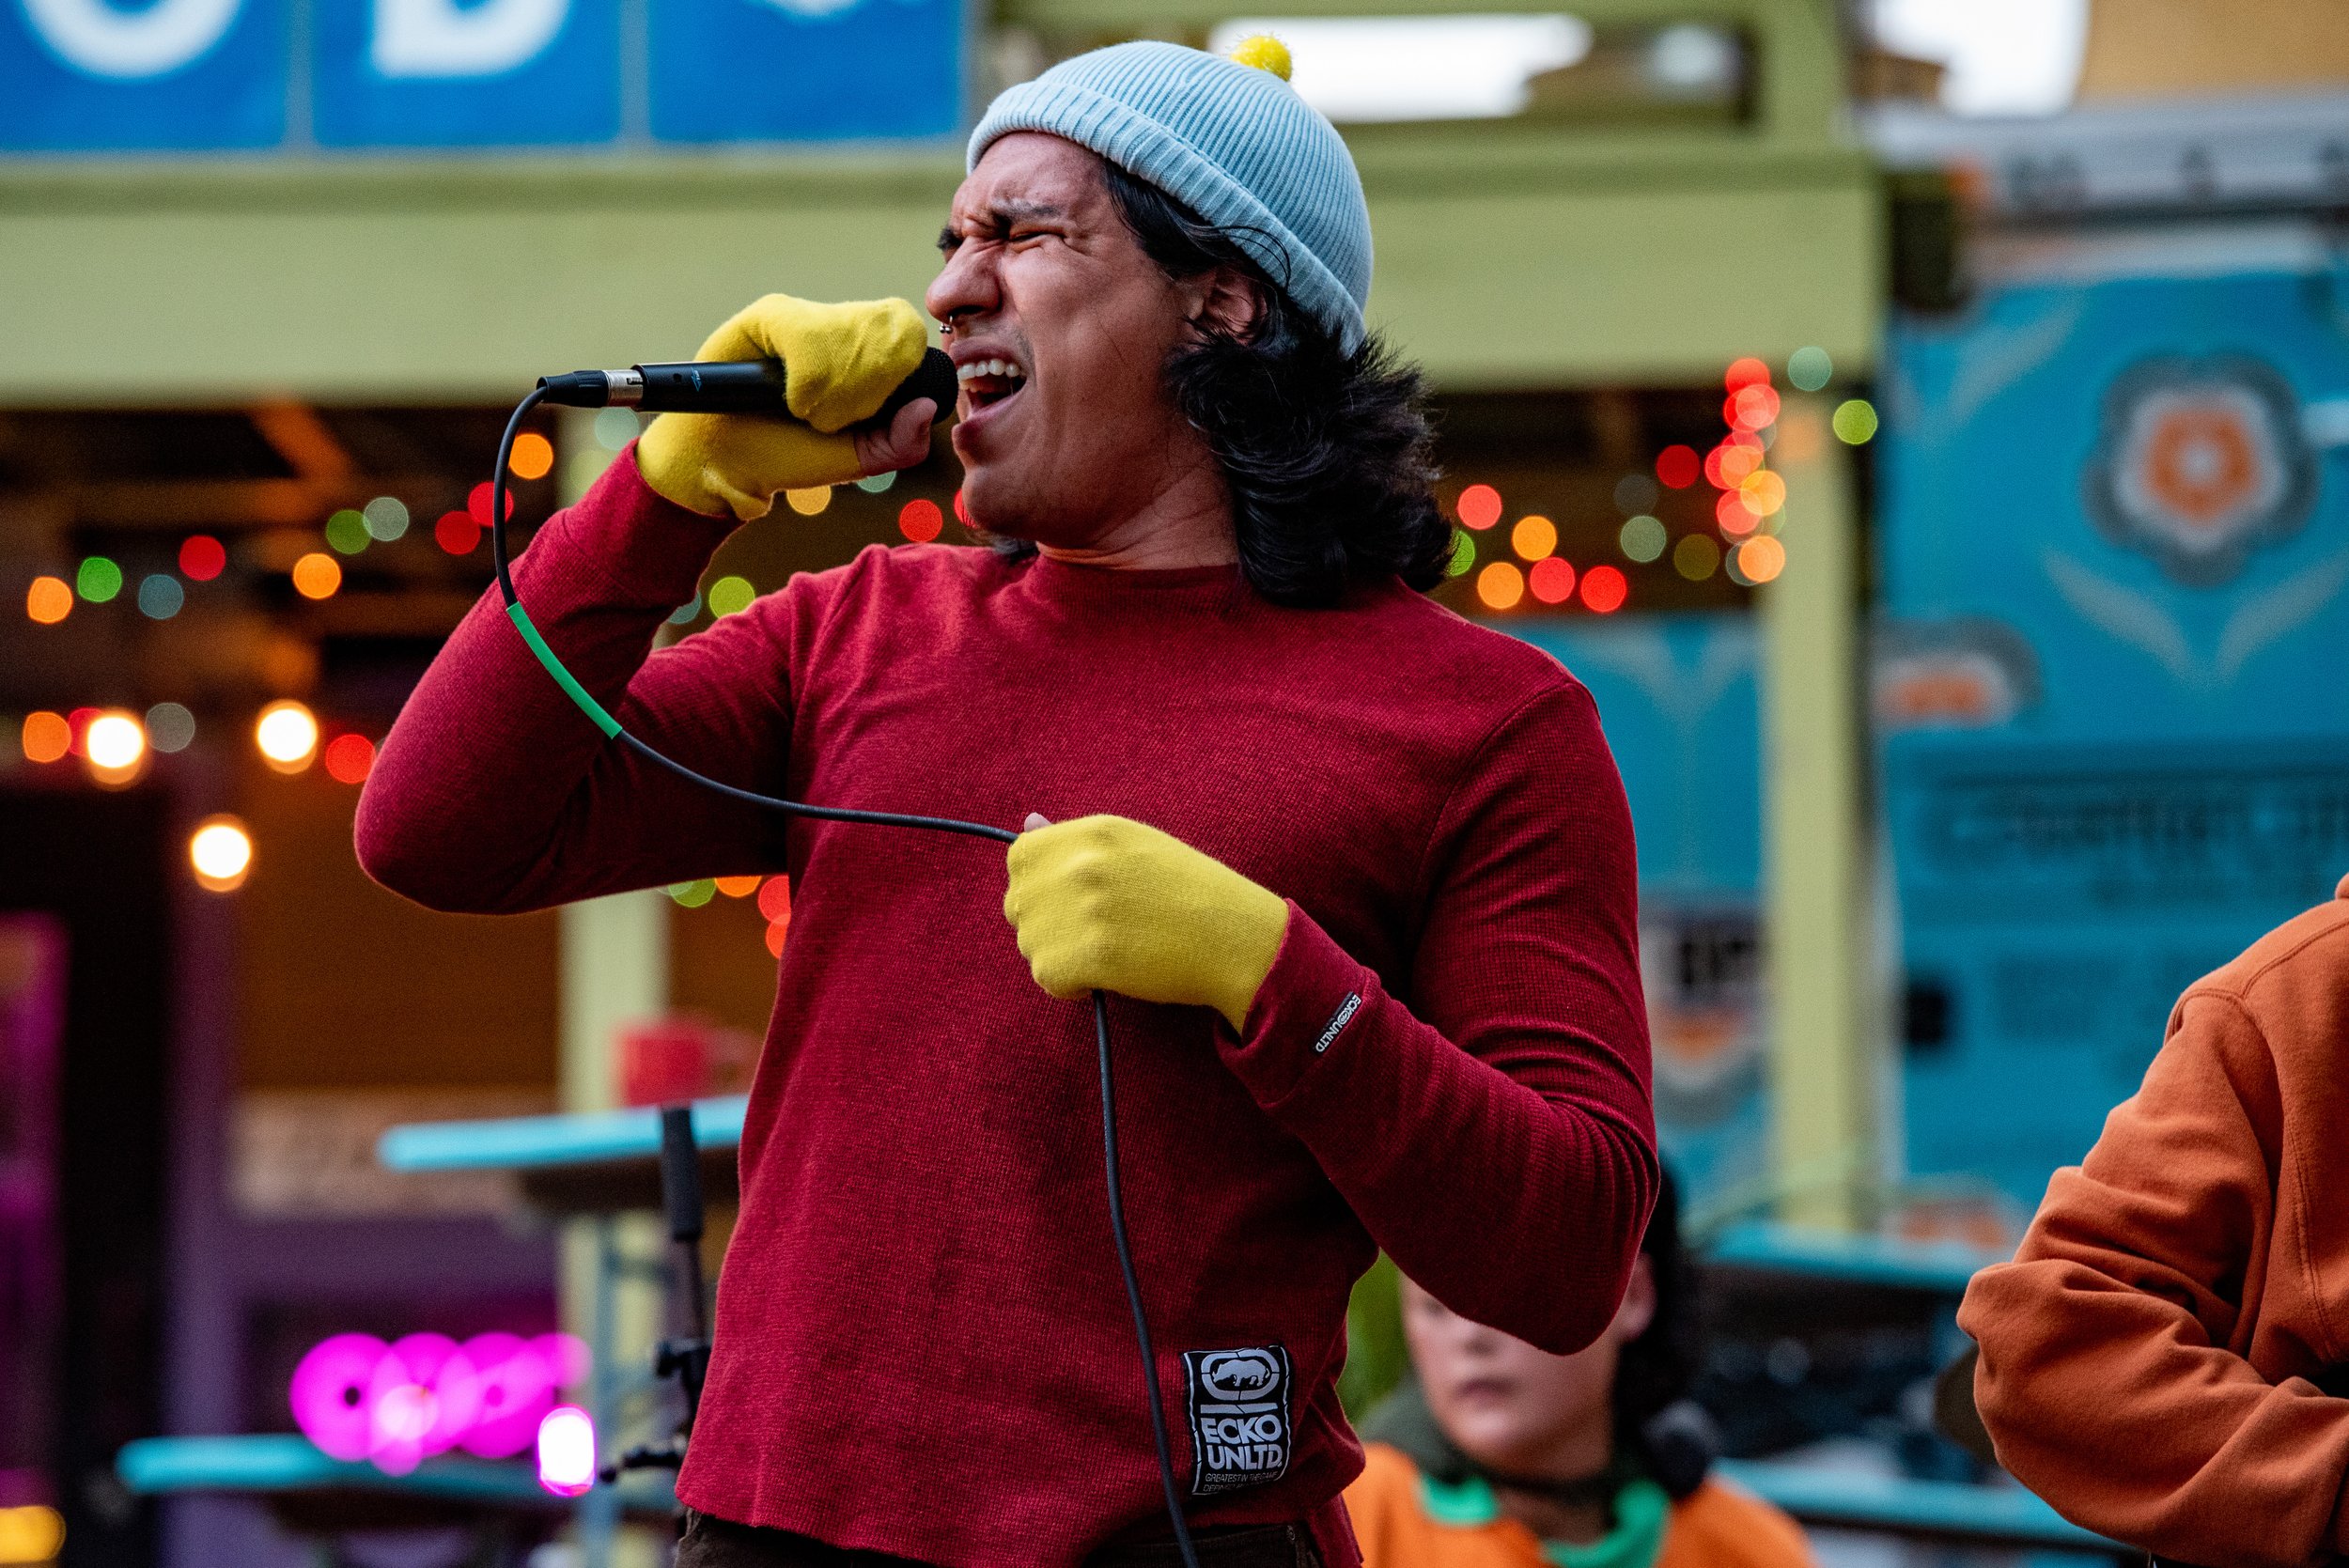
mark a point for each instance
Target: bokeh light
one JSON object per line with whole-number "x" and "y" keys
{"x": 1764, "y": 492}
{"x": 686, "y": 614}
{"x": 100, "y": 580}
{"x": 386, "y": 518}
{"x": 221, "y": 852}
{"x": 920, "y": 520}
{"x": 695, "y": 894}
{"x": 48, "y": 600}
{"x": 78, "y": 721}
{"x": 1696, "y": 557}
{"x": 45, "y": 736}
{"x": 1479, "y": 507}
{"x": 288, "y": 735}
{"x": 1761, "y": 558}
{"x": 317, "y": 575}
{"x": 616, "y": 428}
{"x": 477, "y": 503}
{"x": 347, "y": 530}
{"x": 1810, "y": 368}
{"x": 457, "y": 533}
{"x": 1462, "y": 554}
{"x": 115, "y": 742}
{"x": 1727, "y": 465}
{"x": 730, "y": 595}
{"x": 170, "y": 727}
{"x": 962, "y": 510}
{"x": 1750, "y": 407}
{"x": 1635, "y": 493}
{"x": 807, "y": 503}
{"x": 774, "y": 898}
{"x": 1551, "y": 580}
{"x": 778, "y": 931}
{"x": 1642, "y": 538}
{"x": 202, "y": 557}
{"x": 1735, "y": 518}
{"x": 31, "y": 1532}
{"x": 1677, "y": 466}
{"x": 566, "y": 1451}
{"x": 738, "y": 887}
{"x": 1746, "y": 372}
{"x": 532, "y": 456}
{"x": 160, "y": 596}
{"x": 349, "y": 758}
{"x": 1854, "y": 421}
{"x": 1604, "y": 589}
{"x": 876, "y": 483}
{"x": 1533, "y": 538}
{"x": 1500, "y": 585}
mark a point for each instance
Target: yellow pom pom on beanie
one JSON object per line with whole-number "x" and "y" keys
{"x": 1264, "y": 52}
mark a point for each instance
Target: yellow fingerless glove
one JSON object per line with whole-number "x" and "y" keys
{"x": 841, "y": 362}
{"x": 1108, "y": 904}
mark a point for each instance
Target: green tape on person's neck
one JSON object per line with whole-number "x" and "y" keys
{"x": 563, "y": 677}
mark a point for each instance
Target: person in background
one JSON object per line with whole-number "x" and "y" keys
{"x": 2164, "y": 1359}
{"x": 1496, "y": 1454}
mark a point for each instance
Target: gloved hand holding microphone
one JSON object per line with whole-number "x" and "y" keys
{"x": 841, "y": 362}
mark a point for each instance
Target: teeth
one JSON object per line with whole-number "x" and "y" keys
{"x": 1002, "y": 368}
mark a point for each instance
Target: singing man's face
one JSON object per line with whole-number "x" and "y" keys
{"x": 1042, "y": 276}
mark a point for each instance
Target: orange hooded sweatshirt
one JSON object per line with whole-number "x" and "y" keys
{"x": 2147, "y": 1357}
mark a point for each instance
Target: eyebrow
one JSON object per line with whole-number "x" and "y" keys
{"x": 1003, "y": 212}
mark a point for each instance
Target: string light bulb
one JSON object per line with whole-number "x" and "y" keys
{"x": 288, "y": 735}
{"x": 221, "y": 852}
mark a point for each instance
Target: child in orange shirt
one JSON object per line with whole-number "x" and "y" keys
{"x": 1500, "y": 1455}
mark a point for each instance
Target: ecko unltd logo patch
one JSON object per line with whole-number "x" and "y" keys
{"x": 2199, "y": 462}
{"x": 1240, "y": 1430}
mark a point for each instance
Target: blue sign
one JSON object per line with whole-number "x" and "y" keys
{"x": 1677, "y": 696}
{"x": 2115, "y": 554}
{"x": 734, "y": 70}
{"x": 494, "y": 73}
{"x": 112, "y": 75}
{"x": 87, "y": 75}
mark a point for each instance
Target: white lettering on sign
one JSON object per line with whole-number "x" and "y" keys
{"x": 442, "y": 39}
{"x": 129, "y": 46}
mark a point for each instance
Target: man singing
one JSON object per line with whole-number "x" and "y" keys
{"x": 1357, "y": 875}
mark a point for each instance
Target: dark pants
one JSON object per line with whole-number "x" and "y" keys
{"x": 717, "y": 1544}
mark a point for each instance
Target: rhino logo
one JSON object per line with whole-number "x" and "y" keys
{"x": 1238, "y": 1375}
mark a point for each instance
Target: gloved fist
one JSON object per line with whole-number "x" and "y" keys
{"x": 841, "y": 360}
{"x": 1108, "y": 904}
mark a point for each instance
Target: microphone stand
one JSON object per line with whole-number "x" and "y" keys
{"x": 687, "y": 1360}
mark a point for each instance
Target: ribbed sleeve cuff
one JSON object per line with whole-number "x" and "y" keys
{"x": 1311, "y": 1005}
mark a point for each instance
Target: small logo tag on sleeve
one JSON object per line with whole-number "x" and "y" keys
{"x": 1338, "y": 1020}
{"x": 1239, "y": 1418}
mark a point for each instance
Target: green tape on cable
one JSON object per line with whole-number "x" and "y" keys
{"x": 563, "y": 677}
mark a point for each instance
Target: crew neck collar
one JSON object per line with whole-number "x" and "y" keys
{"x": 1071, "y": 577}
{"x": 1636, "y": 1536}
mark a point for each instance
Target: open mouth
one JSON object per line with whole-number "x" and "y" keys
{"x": 988, "y": 382}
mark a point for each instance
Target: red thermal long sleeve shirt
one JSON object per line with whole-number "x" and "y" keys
{"x": 922, "y": 1345}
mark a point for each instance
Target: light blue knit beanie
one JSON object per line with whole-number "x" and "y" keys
{"x": 1233, "y": 143}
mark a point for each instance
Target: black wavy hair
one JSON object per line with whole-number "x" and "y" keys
{"x": 1328, "y": 455}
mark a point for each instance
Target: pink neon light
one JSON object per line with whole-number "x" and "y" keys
{"x": 397, "y": 1405}
{"x": 566, "y": 1451}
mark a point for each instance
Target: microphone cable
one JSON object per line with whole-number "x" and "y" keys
{"x": 585, "y": 702}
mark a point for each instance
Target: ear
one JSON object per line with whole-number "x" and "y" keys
{"x": 1639, "y": 1303}
{"x": 1226, "y": 302}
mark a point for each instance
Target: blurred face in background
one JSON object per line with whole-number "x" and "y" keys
{"x": 1043, "y": 278}
{"x": 1516, "y": 1409}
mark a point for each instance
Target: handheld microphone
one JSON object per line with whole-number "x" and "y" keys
{"x": 730, "y": 386}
